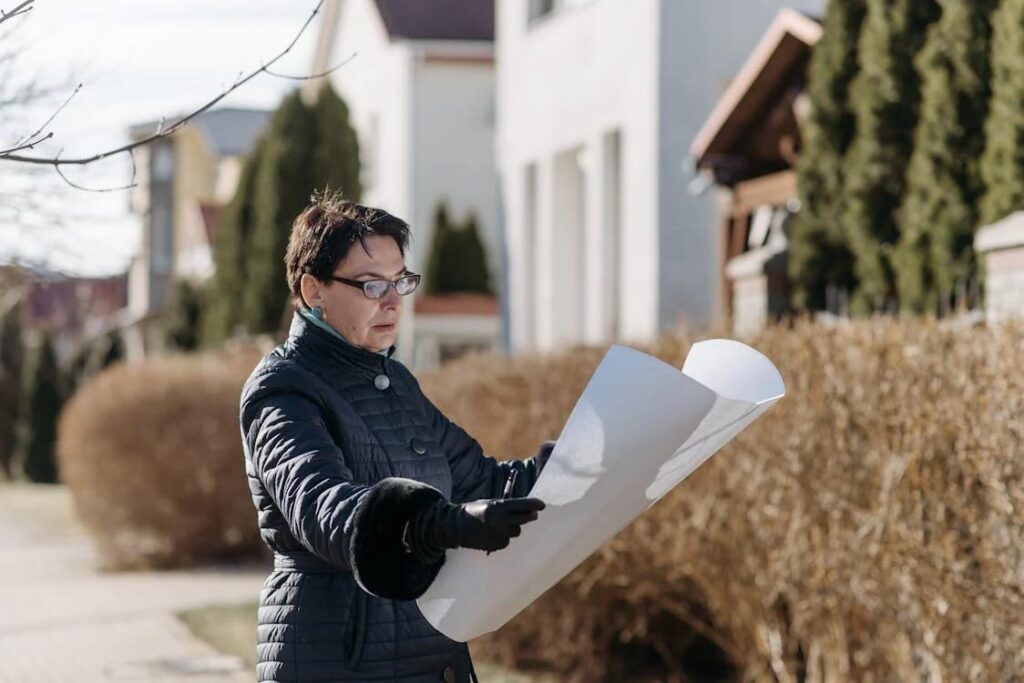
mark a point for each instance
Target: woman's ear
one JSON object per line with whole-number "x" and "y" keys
{"x": 311, "y": 290}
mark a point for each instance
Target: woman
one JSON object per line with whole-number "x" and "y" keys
{"x": 361, "y": 483}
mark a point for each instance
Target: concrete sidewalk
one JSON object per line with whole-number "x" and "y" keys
{"x": 62, "y": 621}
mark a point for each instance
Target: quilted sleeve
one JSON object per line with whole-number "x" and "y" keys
{"x": 347, "y": 524}
{"x": 476, "y": 475}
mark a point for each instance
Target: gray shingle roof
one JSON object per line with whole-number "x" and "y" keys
{"x": 230, "y": 131}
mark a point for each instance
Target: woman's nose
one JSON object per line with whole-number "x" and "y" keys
{"x": 390, "y": 298}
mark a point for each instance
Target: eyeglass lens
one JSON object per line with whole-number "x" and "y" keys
{"x": 375, "y": 289}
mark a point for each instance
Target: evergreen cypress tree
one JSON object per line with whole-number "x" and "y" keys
{"x": 284, "y": 184}
{"x": 222, "y": 307}
{"x": 437, "y": 266}
{"x": 472, "y": 261}
{"x": 336, "y": 153}
{"x": 458, "y": 262}
{"x": 1002, "y": 165}
{"x": 181, "y": 331}
{"x": 939, "y": 212}
{"x": 304, "y": 149}
{"x": 11, "y": 358}
{"x": 41, "y": 403}
{"x": 818, "y": 256}
{"x": 110, "y": 352}
{"x": 89, "y": 359}
{"x": 884, "y": 98}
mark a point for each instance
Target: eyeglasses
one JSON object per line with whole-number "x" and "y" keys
{"x": 376, "y": 289}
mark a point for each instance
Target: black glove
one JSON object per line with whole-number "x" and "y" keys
{"x": 482, "y": 524}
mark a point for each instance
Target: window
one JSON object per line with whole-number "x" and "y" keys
{"x": 569, "y": 198}
{"x": 538, "y": 9}
{"x": 531, "y": 217}
{"x": 161, "y": 236}
{"x": 163, "y": 163}
{"x": 612, "y": 223}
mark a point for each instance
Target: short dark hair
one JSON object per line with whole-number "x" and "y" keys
{"x": 325, "y": 231}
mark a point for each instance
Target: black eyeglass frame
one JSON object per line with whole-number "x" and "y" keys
{"x": 361, "y": 284}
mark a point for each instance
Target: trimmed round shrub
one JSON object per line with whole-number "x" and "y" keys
{"x": 152, "y": 455}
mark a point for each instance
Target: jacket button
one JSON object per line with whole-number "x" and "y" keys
{"x": 418, "y": 446}
{"x": 449, "y": 675}
{"x": 382, "y": 382}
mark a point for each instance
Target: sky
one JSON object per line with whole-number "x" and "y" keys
{"x": 137, "y": 62}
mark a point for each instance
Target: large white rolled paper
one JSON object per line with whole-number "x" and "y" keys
{"x": 639, "y": 428}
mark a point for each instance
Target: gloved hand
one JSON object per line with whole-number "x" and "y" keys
{"x": 487, "y": 524}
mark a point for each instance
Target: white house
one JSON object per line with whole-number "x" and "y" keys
{"x": 420, "y": 90}
{"x": 597, "y": 103}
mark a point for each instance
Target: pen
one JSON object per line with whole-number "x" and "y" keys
{"x": 509, "y": 485}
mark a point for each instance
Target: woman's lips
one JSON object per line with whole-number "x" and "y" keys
{"x": 384, "y": 328}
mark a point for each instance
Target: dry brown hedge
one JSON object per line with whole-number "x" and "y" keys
{"x": 870, "y": 527}
{"x": 152, "y": 454}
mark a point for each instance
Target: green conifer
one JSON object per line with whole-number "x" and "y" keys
{"x": 885, "y": 96}
{"x": 818, "y": 256}
{"x": 1002, "y": 165}
{"x": 939, "y": 212}
{"x": 41, "y": 405}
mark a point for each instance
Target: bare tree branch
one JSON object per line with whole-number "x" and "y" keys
{"x": 41, "y": 128}
{"x": 20, "y": 9}
{"x": 130, "y": 185}
{"x": 30, "y": 144}
{"x": 312, "y": 76}
{"x": 169, "y": 130}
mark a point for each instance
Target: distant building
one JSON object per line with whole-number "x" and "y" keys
{"x": 420, "y": 90}
{"x": 598, "y": 101}
{"x": 1000, "y": 248}
{"x": 74, "y": 309}
{"x": 182, "y": 183}
{"x": 748, "y": 146}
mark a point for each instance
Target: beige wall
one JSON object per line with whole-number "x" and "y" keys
{"x": 195, "y": 182}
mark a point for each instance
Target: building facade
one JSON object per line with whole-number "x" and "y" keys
{"x": 1000, "y": 249}
{"x": 418, "y": 78}
{"x": 598, "y": 102}
{"x": 748, "y": 149}
{"x": 182, "y": 183}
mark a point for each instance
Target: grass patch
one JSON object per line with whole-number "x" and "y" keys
{"x": 231, "y": 630}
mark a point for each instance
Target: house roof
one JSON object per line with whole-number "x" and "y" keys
{"x": 778, "y": 59}
{"x": 438, "y": 19}
{"x": 230, "y": 131}
{"x": 464, "y": 21}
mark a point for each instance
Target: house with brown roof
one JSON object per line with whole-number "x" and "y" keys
{"x": 419, "y": 84}
{"x": 748, "y": 148}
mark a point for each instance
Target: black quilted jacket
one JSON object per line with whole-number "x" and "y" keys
{"x": 341, "y": 449}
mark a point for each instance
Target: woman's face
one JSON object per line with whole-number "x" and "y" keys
{"x": 369, "y": 323}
